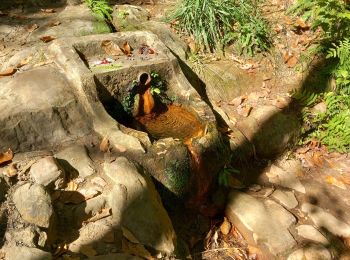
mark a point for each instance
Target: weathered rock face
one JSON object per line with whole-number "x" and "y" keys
{"x": 129, "y": 17}
{"x": 323, "y": 219}
{"x": 132, "y": 18}
{"x": 311, "y": 233}
{"x": 265, "y": 224}
{"x": 312, "y": 252}
{"x": 151, "y": 224}
{"x": 286, "y": 198}
{"x": 75, "y": 21}
{"x": 111, "y": 86}
{"x": 48, "y": 173}
{"x": 22, "y": 252}
{"x": 39, "y": 110}
{"x": 76, "y": 156}
{"x": 276, "y": 130}
{"x": 34, "y": 204}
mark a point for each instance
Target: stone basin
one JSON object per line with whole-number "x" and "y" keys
{"x": 186, "y": 153}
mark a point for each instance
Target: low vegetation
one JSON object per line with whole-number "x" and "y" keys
{"x": 100, "y": 8}
{"x": 332, "y": 126}
{"x": 215, "y": 23}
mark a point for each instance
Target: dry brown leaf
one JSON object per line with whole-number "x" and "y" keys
{"x": 292, "y": 61}
{"x": 53, "y": 24}
{"x": 129, "y": 236}
{"x": 135, "y": 249}
{"x": 334, "y": 181}
{"x": 126, "y": 49}
{"x": 47, "y": 38}
{"x": 48, "y": 11}
{"x": 99, "y": 181}
{"x": 225, "y": 227}
{"x": 301, "y": 24}
{"x": 237, "y": 101}
{"x": 111, "y": 48}
{"x": 24, "y": 62}
{"x": 245, "y": 111}
{"x": 43, "y": 63}
{"x": 11, "y": 171}
{"x": 88, "y": 250}
{"x": 100, "y": 215}
{"x": 317, "y": 159}
{"x": 104, "y": 145}
{"x": 6, "y": 156}
{"x": 32, "y": 28}
{"x": 345, "y": 179}
{"x": 8, "y": 72}
{"x": 72, "y": 186}
{"x": 303, "y": 150}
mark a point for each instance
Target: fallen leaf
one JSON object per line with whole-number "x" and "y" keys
{"x": 32, "y": 28}
{"x": 11, "y": 171}
{"x": 126, "y": 49}
{"x": 302, "y": 150}
{"x": 99, "y": 181}
{"x": 111, "y": 48}
{"x": 237, "y": 101}
{"x": 225, "y": 227}
{"x": 245, "y": 111}
{"x": 72, "y": 186}
{"x": 102, "y": 214}
{"x": 334, "y": 181}
{"x": 300, "y": 23}
{"x": 88, "y": 250}
{"x": 9, "y": 72}
{"x": 129, "y": 236}
{"x": 43, "y": 63}
{"x": 24, "y": 62}
{"x": 48, "y": 11}
{"x": 6, "y": 156}
{"x": 53, "y": 24}
{"x": 135, "y": 249}
{"x": 47, "y": 38}
{"x": 345, "y": 179}
{"x": 104, "y": 145}
{"x": 317, "y": 159}
{"x": 292, "y": 62}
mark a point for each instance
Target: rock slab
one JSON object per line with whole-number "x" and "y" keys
{"x": 323, "y": 219}
{"x": 259, "y": 224}
{"x": 311, "y": 253}
{"x": 286, "y": 198}
{"x": 34, "y": 204}
{"x": 311, "y": 233}
{"x": 136, "y": 205}
{"x": 48, "y": 172}
{"x": 77, "y": 157}
{"x": 27, "y": 253}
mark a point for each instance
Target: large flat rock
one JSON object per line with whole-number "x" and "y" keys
{"x": 136, "y": 205}
{"x": 261, "y": 223}
{"x": 39, "y": 109}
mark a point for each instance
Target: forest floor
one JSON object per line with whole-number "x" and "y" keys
{"x": 305, "y": 188}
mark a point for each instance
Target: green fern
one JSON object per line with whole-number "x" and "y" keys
{"x": 100, "y": 8}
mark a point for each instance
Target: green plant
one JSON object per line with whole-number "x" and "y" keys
{"x": 224, "y": 175}
{"x": 341, "y": 52}
{"x": 100, "y": 8}
{"x": 332, "y": 127}
{"x": 332, "y": 16}
{"x": 215, "y": 23}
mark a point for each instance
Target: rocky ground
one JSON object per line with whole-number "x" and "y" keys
{"x": 73, "y": 190}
